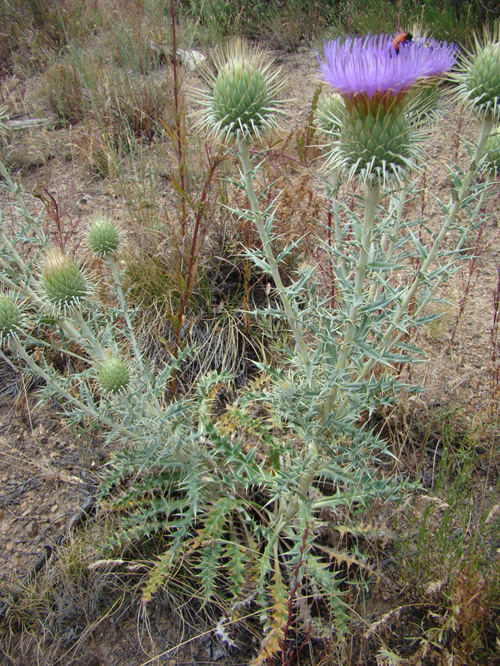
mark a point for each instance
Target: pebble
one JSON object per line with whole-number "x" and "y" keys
{"x": 31, "y": 529}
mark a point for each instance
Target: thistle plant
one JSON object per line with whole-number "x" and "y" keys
{"x": 240, "y": 501}
{"x": 343, "y": 363}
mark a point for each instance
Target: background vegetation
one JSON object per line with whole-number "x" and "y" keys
{"x": 33, "y": 35}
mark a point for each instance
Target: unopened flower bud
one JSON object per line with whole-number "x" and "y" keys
{"x": 478, "y": 77}
{"x": 64, "y": 284}
{"x": 104, "y": 237}
{"x": 10, "y": 317}
{"x": 114, "y": 375}
{"x": 241, "y": 100}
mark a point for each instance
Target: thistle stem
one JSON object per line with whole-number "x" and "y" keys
{"x": 388, "y": 241}
{"x": 452, "y": 213}
{"x": 87, "y": 335}
{"x": 124, "y": 310}
{"x": 338, "y": 226}
{"x": 289, "y": 308}
{"x": 371, "y": 204}
{"x": 131, "y": 333}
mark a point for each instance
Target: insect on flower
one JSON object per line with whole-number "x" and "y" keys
{"x": 401, "y": 38}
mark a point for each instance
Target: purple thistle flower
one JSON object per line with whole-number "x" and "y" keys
{"x": 371, "y": 68}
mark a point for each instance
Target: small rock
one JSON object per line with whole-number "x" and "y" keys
{"x": 191, "y": 59}
{"x": 32, "y": 529}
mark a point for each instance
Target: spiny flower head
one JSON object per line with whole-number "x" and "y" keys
{"x": 370, "y": 68}
{"x": 104, "y": 237}
{"x": 478, "y": 76}
{"x": 241, "y": 101}
{"x": 64, "y": 284}
{"x": 376, "y": 133}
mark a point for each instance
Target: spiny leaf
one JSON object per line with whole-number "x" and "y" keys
{"x": 270, "y": 646}
{"x": 208, "y": 568}
{"x": 342, "y": 557}
{"x": 237, "y": 566}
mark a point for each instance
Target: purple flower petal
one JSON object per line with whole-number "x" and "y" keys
{"x": 370, "y": 65}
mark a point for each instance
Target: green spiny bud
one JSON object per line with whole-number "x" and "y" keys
{"x": 478, "y": 76}
{"x": 64, "y": 284}
{"x": 377, "y": 143}
{"x": 10, "y": 317}
{"x": 241, "y": 102}
{"x": 114, "y": 375}
{"x": 104, "y": 237}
